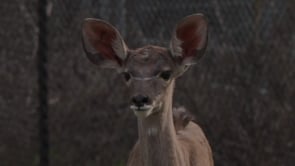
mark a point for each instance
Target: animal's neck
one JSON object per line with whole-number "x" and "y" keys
{"x": 157, "y": 136}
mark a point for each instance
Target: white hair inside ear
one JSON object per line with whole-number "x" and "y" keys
{"x": 120, "y": 48}
{"x": 175, "y": 46}
{"x": 103, "y": 44}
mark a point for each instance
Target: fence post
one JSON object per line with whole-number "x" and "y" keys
{"x": 42, "y": 83}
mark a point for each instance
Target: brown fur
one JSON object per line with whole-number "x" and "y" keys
{"x": 167, "y": 137}
{"x": 181, "y": 142}
{"x": 195, "y": 151}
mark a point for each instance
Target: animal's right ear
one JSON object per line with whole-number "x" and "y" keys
{"x": 103, "y": 44}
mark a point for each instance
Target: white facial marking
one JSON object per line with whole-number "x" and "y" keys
{"x": 145, "y": 53}
{"x": 142, "y": 112}
{"x": 144, "y": 78}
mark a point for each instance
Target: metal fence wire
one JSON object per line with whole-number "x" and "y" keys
{"x": 242, "y": 92}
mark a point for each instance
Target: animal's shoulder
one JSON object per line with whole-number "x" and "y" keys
{"x": 193, "y": 140}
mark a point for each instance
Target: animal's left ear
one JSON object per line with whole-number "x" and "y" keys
{"x": 189, "y": 39}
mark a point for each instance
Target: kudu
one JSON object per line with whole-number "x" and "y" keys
{"x": 165, "y": 138}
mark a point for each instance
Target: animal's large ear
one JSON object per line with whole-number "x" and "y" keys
{"x": 103, "y": 44}
{"x": 189, "y": 39}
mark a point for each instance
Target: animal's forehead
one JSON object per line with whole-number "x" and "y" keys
{"x": 148, "y": 61}
{"x": 149, "y": 56}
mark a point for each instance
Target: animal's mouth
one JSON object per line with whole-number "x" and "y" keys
{"x": 142, "y": 111}
{"x": 141, "y": 108}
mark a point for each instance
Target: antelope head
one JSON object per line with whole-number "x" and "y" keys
{"x": 149, "y": 71}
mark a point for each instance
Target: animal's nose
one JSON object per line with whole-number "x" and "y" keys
{"x": 140, "y": 100}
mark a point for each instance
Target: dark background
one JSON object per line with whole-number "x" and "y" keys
{"x": 242, "y": 92}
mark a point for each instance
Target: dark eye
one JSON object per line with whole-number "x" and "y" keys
{"x": 126, "y": 76}
{"x": 166, "y": 75}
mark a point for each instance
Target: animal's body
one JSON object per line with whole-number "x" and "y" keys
{"x": 166, "y": 137}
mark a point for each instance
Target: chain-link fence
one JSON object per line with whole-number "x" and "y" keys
{"x": 242, "y": 92}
